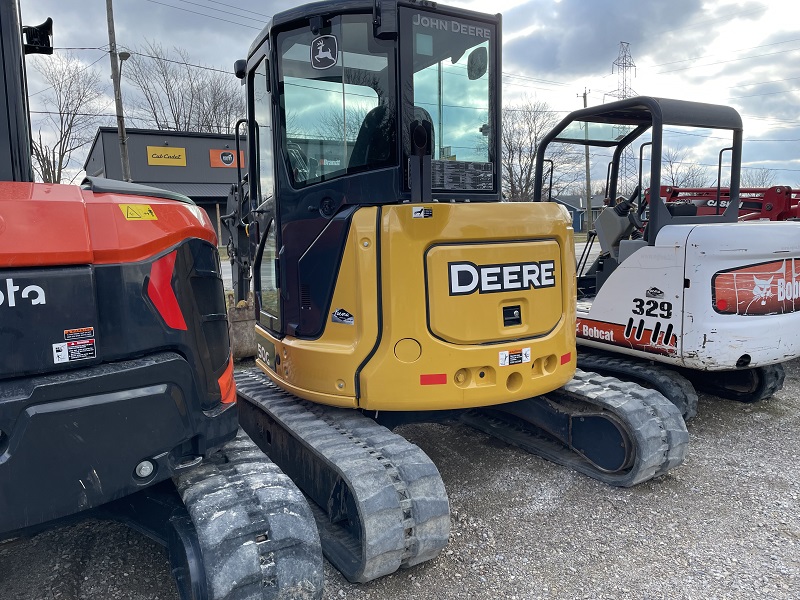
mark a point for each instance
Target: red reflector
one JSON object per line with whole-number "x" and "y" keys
{"x": 433, "y": 379}
{"x": 565, "y": 358}
{"x": 227, "y": 385}
{"x": 160, "y": 291}
{"x": 722, "y": 304}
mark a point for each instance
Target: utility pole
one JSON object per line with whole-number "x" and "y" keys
{"x": 589, "y": 218}
{"x": 123, "y": 137}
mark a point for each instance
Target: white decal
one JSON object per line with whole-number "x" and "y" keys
{"x": 420, "y": 212}
{"x": 451, "y": 25}
{"x": 514, "y": 357}
{"x": 263, "y": 355}
{"x": 33, "y": 293}
{"x": 340, "y": 315}
{"x": 75, "y": 350}
{"x": 60, "y": 353}
{"x": 762, "y": 289}
{"x": 324, "y": 52}
{"x": 788, "y": 290}
{"x": 597, "y": 333}
{"x": 467, "y": 277}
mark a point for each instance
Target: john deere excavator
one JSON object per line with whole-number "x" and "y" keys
{"x": 392, "y": 286}
{"x": 682, "y": 296}
{"x": 117, "y": 397}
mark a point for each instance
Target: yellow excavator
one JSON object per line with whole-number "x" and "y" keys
{"x": 392, "y": 285}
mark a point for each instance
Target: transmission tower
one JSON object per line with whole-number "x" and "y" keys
{"x": 626, "y": 70}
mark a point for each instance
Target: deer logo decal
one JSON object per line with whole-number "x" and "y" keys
{"x": 324, "y": 52}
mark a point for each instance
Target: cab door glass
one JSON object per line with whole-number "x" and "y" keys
{"x": 267, "y": 282}
{"x": 262, "y": 105}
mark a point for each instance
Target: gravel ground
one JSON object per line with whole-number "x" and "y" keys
{"x": 724, "y": 525}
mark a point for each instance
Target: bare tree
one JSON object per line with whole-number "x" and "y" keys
{"x": 73, "y": 107}
{"x": 679, "y": 171}
{"x": 177, "y": 94}
{"x": 759, "y": 178}
{"x": 335, "y": 124}
{"x": 524, "y": 126}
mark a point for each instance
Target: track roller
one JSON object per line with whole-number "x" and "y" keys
{"x": 744, "y": 385}
{"x": 671, "y": 384}
{"x": 617, "y": 432}
{"x": 379, "y": 501}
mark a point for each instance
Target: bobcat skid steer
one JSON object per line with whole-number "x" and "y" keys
{"x": 675, "y": 296}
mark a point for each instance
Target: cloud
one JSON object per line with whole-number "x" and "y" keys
{"x": 576, "y": 37}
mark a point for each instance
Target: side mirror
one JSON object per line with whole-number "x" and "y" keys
{"x": 240, "y": 68}
{"x": 477, "y": 62}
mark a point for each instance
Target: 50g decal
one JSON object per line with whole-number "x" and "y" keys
{"x": 652, "y": 308}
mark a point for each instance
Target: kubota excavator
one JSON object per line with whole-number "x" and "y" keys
{"x": 392, "y": 286}
{"x": 117, "y": 397}
{"x": 682, "y": 295}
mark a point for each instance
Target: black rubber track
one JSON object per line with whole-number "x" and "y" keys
{"x": 654, "y": 425}
{"x": 672, "y": 385}
{"x": 257, "y": 535}
{"x": 743, "y": 385}
{"x": 397, "y": 508}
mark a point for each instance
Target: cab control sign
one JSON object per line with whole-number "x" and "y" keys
{"x": 78, "y": 344}
{"x": 70, "y": 351}
{"x": 514, "y": 357}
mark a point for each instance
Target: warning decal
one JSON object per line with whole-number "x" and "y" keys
{"x": 81, "y": 333}
{"x": 420, "y": 212}
{"x": 77, "y": 350}
{"x": 138, "y": 212}
{"x": 514, "y": 357}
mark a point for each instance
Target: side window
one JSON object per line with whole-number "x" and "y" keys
{"x": 456, "y": 101}
{"x": 263, "y": 130}
{"x": 267, "y": 283}
{"x": 448, "y": 79}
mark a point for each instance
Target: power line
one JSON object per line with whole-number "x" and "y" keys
{"x": 230, "y": 7}
{"x": 765, "y": 93}
{"x": 722, "y": 62}
{"x": 716, "y": 137}
{"x": 203, "y": 14}
{"x": 674, "y": 62}
{"x": 180, "y": 62}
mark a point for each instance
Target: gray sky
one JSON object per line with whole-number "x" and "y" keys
{"x": 745, "y": 54}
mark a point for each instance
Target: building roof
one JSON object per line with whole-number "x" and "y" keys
{"x": 575, "y": 201}
{"x": 199, "y": 165}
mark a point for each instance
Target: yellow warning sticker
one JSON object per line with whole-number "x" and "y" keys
{"x": 138, "y": 212}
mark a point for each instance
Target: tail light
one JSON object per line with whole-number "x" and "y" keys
{"x": 227, "y": 385}
{"x": 161, "y": 294}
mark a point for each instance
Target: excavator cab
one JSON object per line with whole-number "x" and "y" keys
{"x": 387, "y": 275}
